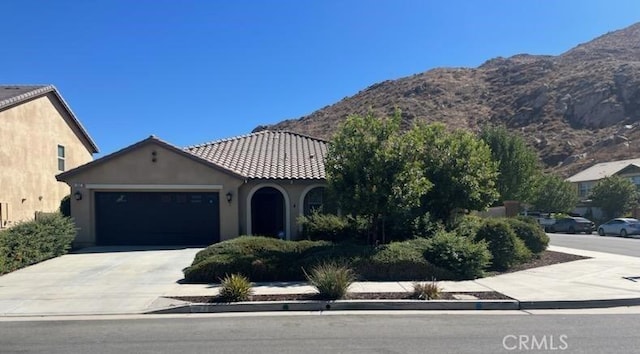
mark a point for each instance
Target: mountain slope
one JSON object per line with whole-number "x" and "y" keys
{"x": 576, "y": 109}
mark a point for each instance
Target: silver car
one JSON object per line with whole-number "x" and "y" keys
{"x": 620, "y": 226}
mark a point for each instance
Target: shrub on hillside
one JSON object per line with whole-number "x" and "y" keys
{"x": 329, "y": 227}
{"x": 461, "y": 255}
{"x": 531, "y": 233}
{"x": 400, "y": 261}
{"x": 506, "y": 248}
{"x": 34, "y": 241}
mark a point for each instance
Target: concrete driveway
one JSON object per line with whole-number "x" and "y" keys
{"x": 97, "y": 280}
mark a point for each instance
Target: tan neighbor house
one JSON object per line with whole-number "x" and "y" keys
{"x": 585, "y": 180}
{"x": 39, "y": 138}
{"x": 153, "y": 193}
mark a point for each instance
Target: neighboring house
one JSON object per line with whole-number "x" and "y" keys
{"x": 153, "y": 193}
{"x": 39, "y": 138}
{"x": 587, "y": 179}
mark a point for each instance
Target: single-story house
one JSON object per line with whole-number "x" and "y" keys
{"x": 154, "y": 193}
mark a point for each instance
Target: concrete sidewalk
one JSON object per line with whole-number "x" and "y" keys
{"x": 605, "y": 276}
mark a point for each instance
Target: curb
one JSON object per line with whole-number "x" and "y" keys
{"x": 395, "y": 305}
{"x": 578, "y": 304}
{"x": 341, "y": 305}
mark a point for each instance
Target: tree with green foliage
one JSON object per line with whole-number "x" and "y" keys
{"x": 614, "y": 195}
{"x": 372, "y": 171}
{"x": 460, "y": 167}
{"x": 517, "y": 164}
{"x": 553, "y": 194}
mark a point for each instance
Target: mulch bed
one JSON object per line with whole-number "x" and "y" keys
{"x": 545, "y": 259}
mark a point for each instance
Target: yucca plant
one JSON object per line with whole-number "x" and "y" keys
{"x": 426, "y": 291}
{"x": 332, "y": 280}
{"x": 235, "y": 287}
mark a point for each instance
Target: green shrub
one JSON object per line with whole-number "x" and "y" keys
{"x": 424, "y": 226}
{"x": 31, "y": 242}
{"x": 462, "y": 256}
{"x": 259, "y": 259}
{"x": 426, "y": 291}
{"x": 329, "y": 227}
{"x": 468, "y": 225}
{"x": 506, "y": 248}
{"x": 531, "y": 233}
{"x": 65, "y": 206}
{"x": 400, "y": 261}
{"x": 331, "y": 279}
{"x": 235, "y": 287}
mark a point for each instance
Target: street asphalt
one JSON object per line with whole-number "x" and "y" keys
{"x": 353, "y": 333}
{"x": 594, "y": 242}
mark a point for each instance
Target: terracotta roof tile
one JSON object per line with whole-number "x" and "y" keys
{"x": 267, "y": 155}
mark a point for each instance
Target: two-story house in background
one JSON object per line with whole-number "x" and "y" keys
{"x": 40, "y": 137}
{"x": 585, "y": 180}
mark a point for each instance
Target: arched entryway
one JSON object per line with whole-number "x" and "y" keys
{"x": 268, "y": 213}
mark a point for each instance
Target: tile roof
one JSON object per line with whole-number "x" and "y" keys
{"x": 150, "y": 140}
{"x": 267, "y": 155}
{"x": 11, "y": 95}
{"x": 602, "y": 170}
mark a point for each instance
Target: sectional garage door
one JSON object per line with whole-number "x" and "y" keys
{"x": 157, "y": 218}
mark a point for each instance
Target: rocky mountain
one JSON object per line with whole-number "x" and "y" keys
{"x": 576, "y": 109}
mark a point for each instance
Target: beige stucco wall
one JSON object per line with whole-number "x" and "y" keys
{"x": 29, "y": 137}
{"x": 293, "y": 192}
{"x": 169, "y": 172}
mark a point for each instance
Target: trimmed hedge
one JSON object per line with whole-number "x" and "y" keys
{"x": 35, "y": 241}
{"x": 260, "y": 259}
{"x": 329, "y": 227}
{"x": 459, "y": 254}
{"x": 506, "y": 248}
{"x": 529, "y": 231}
{"x": 401, "y": 261}
{"x": 269, "y": 259}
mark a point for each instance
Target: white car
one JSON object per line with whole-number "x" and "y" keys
{"x": 620, "y": 226}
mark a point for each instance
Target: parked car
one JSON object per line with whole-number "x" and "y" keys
{"x": 620, "y": 226}
{"x": 544, "y": 219}
{"x": 573, "y": 224}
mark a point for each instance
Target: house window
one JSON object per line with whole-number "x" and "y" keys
{"x": 61, "y": 158}
{"x": 316, "y": 199}
{"x": 635, "y": 180}
{"x": 583, "y": 190}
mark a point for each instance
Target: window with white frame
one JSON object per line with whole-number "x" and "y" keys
{"x": 61, "y": 157}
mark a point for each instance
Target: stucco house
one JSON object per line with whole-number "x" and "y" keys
{"x": 39, "y": 138}
{"x": 154, "y": 193}
{"x": 585, "y": 180}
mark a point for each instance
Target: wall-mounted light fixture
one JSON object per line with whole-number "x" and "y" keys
{"x": 77, "y": 195}
{"x": 229, "y": 197}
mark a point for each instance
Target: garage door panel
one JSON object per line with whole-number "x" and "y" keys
{"x": 157, "y": 218}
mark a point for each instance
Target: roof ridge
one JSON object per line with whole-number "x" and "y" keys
{"x": 38, "y": 90}
{"x": 262, "y": 132}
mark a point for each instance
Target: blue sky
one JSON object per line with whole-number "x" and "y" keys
{"x": 196, "y": 71}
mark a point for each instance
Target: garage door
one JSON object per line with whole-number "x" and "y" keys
{"x": 157, "y": 218}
